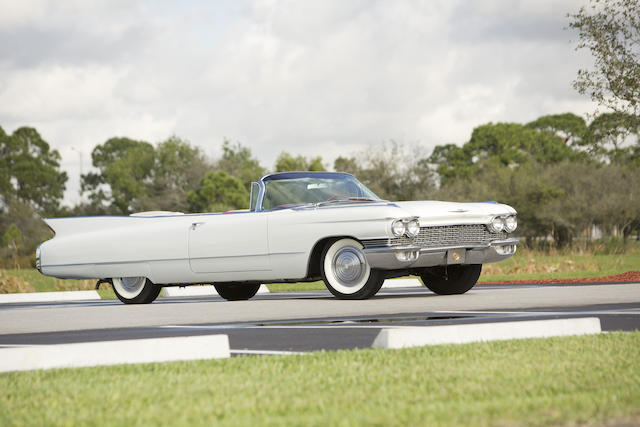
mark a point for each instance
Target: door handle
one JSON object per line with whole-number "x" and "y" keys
{"x": 196, "y": 225}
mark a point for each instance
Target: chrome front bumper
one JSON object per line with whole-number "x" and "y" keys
{"x": 400, "y": 257}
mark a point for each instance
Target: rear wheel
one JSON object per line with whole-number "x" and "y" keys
{"x": 236, "y": 292}
{"x": 451, "y": 279}
{"x": 346, "y": 273}
{"x": 135, "y": 290}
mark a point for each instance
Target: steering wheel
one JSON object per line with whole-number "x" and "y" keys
{"x": 336, "y": 195}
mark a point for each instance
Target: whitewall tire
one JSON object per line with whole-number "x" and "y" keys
{"x": 346, "y": 272}
{"x": 135, "y": 290}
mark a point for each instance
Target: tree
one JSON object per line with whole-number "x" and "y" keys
{"x": 125, "y": 169}
{"x": 287, "y": 163}
{"x": 346, "y": 164}
{"x": 610, "y": 138}
{"x": 507, "y": 144}
{"x": 5, "y": 176}
{"x": 569, "y": 127}
{"x": 392, "y": 171}
{"x": 513, "y": 144}
{"x": 563, "y": 200}
{"x": 33, "y": 230}
{"x": 238, "y": 161}
{"x": 12, "y": 239}
{"x": 452, "y": 162}
{"x": 610, "y": 30}
{"x": 218, "y": 192}
{"x": 30, "y": 170}
{"x": 178, "y": 167}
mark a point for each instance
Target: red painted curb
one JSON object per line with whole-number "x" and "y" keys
{"x": 629, "y": 276}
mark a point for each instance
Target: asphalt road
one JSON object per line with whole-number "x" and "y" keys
{"x": 308, "y": 321}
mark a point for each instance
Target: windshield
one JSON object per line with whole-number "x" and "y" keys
{"x": 283, "y": 193}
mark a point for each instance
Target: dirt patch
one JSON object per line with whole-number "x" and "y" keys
{"x": 629, "y": 276}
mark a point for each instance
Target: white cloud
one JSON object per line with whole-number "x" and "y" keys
{"x": 315, "y": 77}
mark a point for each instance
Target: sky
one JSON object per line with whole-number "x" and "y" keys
{"x": 325, "y": 77}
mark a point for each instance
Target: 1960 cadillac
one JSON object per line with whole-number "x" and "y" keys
{"x": 300, "y": 226}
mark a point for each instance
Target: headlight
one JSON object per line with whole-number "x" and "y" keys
{"x": 398, "y": 228}
{"x": 413, "y": 228}
{"x": 496, "y": 225}
{"x": 510, "y": 223}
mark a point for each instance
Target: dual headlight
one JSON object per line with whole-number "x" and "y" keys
{"x": 500, "y": 223}
{"x": 407, "y": 226}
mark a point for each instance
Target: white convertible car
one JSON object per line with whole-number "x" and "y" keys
{"x": 300, "y": 226}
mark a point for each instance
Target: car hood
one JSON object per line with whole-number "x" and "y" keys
{"x": 436, "y": 212}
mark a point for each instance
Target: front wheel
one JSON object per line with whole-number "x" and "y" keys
{"x": 135, "y": 290}
{"x": 346, "y": 272}
{"x": 236, "y": 292}
{"x": 451, "y": 279}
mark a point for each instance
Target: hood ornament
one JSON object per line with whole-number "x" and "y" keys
{"x": 459, "y": 210}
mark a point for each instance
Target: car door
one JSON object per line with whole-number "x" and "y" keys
{"x": 229, "y": 243}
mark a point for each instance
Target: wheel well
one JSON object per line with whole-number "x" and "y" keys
{"x": 313, "y": 268}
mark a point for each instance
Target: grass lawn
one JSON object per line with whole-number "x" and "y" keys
{"x": 524, "y": 265}
{"x": 30, "y": 280}
{"x": 569, "y": 380}
{"x": 528, "y": 265}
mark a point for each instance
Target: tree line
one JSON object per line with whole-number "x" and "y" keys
{"x": 566, "y": 177}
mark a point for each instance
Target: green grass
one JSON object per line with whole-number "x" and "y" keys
{"x": 30, "y": 280}
{"x": 32, "y": 277}
{"x": 570, "y": 380}
{"x": 528, "y": 265}
{"x": 302, "y": 286}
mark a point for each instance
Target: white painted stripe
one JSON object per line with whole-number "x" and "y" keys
{"x": 459, "y": 334}
{"x": 310, "y": 326}
{"x": 266, "y": 352}
{"x": 545, "y": 313}
{"x": 49, "y": 296}
{"x": 401, "y": 283}
{"x": 207, "y": 327}
{"x": 195, "y": 290}
{"x": 114, "y": 352}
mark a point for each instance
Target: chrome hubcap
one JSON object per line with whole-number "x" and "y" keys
{"x": 349, "y": 265}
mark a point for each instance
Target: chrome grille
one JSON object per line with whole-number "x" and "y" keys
{"x": 448, "y": 235}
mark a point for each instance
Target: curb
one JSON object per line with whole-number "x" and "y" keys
{"x": 49, "y": 296}
{"x": 475, "y": 332}
{"x": 114, "y": 352}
